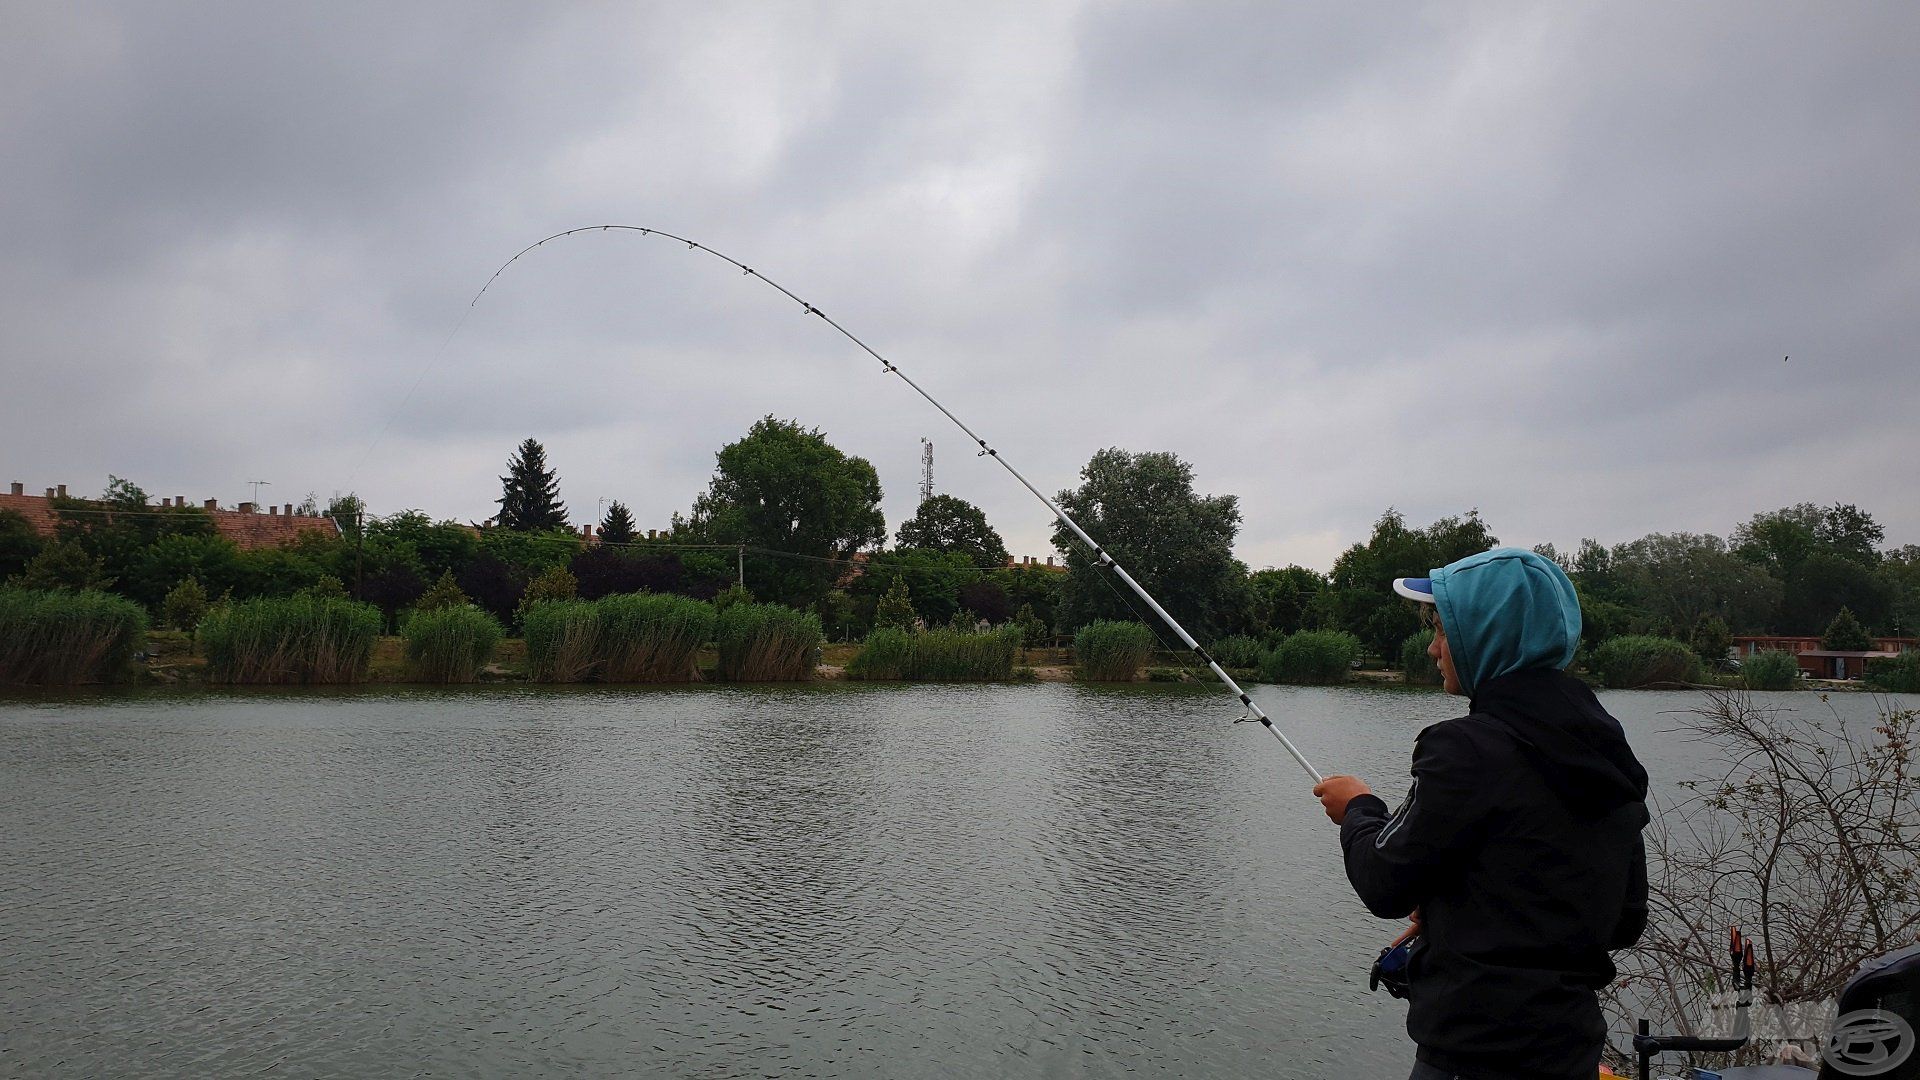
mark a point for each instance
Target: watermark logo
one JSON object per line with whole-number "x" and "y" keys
{"x": 1868, "y": 1042}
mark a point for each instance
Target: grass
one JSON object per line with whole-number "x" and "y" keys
{"x": 450, "y": 644}
{"x": 66, "y": 638}
{"x": 766, "y": 643}
{"x": 301, "y": 639}
{"x": 937, "y": 655}
{"x": 563, "y": 640}
{"x": 652, "y": 637}
{"x": 1111, "y": 651}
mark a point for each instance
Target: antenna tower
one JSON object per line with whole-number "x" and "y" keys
{"x": 926, "y": 469}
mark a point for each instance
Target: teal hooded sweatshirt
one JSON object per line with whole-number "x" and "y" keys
{"x": 1506, "y": 610}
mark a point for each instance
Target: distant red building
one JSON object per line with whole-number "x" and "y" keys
{"x": 1819, "y": 663}
{"x": 244, "y": 525}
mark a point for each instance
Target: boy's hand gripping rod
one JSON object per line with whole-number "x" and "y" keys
{"x": 1254, "y": 712}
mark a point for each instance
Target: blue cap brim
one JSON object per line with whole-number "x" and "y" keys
{"x": 1415, "y": 588}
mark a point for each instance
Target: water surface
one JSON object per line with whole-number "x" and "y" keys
{"x": 1046, "y": 880}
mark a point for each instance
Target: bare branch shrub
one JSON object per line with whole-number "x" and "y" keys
{"x": 1806, "y": 834}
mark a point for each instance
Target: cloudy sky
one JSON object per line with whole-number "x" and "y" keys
{"x": 1543, "y": 260}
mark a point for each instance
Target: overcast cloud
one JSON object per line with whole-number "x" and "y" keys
{"x": 1542, "y": 260}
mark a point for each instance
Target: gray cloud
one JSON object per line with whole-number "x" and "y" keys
{"x": 1540, "y": 261}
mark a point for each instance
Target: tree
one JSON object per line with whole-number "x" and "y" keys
{"x": 949, "y": 524}
{"x": 64, "y": 565}
{"x": 986, "y": 599}
{"x": 530, "y": 492}
{"x": 1034, "y": 631}
{"x": 554, "y": 583}
{"x": 1681, "y": 578}
{"x": 1178, "y": 544}
{"x": 933, "y": 580}
{"x": 1361, "y": 586}
{"x": 1779, "y": 539}
{"x": 19, "y": 543}
{"x": 895, "y": 610}
{"x": 1282, "y": 599}
{"x": 602, "y": 571}
{"x": 185, "y": 605}
{"x": 444, "y": 594}
{"x": 617, "y": 527}
{"x": 1845, "y": 634}
{"x": 1826, "y": 581}
{"x": 785, "y": 488}
{"x": 346, "y": 511}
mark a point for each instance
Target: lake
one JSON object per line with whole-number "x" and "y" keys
{"x": 1036, "y": 880}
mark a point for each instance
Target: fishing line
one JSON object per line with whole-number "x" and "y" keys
{"x": 1254, "y": 712}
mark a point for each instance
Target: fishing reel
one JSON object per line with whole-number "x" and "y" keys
{"x": 1390, "y": 968}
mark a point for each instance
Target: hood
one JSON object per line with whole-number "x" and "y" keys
{"x": 1563, "y": 730}
{"x": 1506, "y": 610}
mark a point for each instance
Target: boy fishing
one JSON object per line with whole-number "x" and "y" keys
{"x": 1518, "y": 847}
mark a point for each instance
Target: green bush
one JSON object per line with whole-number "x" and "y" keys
{"x": 1111, "y": 651}
{"x": 1896, "y": 675}
{"x": 450, "y": 644}
{"x": 1771, "y": 670}
{"x": 563, "y": 640}
{"x": 767, "y": 643}
{"x": 1312, "y": 658}
{"x": 652, "y": 637}
{"x": 1238, "y": 651}
{"x": 1633, "y": 660}
{"x": 937, "y": 655}
{"x": 297, "y": 639}
{"x": 1416, "y": 667}
{"x": 65, "y": 638}
{"x": 554, "y": 583}
{"x": 185, "y": 605}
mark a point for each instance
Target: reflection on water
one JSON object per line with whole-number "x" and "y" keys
{"x": 937, "y": 881}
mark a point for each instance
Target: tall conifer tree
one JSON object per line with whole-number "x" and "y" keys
{"x": 618, "y": 526}
{"x": 530, "y": 492}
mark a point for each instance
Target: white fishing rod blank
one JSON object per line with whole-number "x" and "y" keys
{"x": 1254, "y": 712}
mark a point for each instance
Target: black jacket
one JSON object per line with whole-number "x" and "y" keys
{"x": 1519, "y": 842}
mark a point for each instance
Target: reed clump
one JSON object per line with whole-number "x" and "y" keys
{"x": 652, "y": 637}
{"x": 1111, "y": 651}
{"x": 1312, "y": 658}
{"x": 563, "y": 640}
{"x": 1770, "y": 670}
{"x": 937, "y": 655}
{"x": 1636, "y": 660}
{"x": 450, "y": 644}
{"x": 296, "y": 639}
{"x": 767, "y": 643}
{"x": 1238, "y": 651}
{"x": 58, "y": 638}
{"x": 1416, "y": 667}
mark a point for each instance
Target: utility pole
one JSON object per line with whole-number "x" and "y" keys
{"x": 359, "y": 539}
{"x": 740, "y": 553}
{"x": 926, "y": 469}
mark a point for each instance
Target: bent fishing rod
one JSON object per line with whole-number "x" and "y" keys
{"x": 1254, "y": 712}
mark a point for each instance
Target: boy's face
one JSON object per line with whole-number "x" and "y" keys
{"x": 1443, "y": 656}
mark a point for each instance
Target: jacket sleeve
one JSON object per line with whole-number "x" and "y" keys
{"x": 1633, "y": 912}
{"x": 1394, "y": 861}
